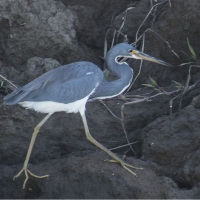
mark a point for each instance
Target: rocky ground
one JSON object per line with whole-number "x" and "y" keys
{"x": 36, "y": 36}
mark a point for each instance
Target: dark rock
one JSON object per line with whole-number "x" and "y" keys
{"x": 35, "y": 37}
{"x": 47, "y": 29}
{"x": 37, "y": 66}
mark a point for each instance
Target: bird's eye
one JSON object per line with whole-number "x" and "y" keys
{"x": 130, "y": 50}
{"x": 120, "y": 59}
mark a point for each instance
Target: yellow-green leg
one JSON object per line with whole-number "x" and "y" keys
{"x": 24, "y": 168}
{"x": 116, "y": 159}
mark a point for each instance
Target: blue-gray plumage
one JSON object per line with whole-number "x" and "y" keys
{"x": 122, "y": 71}
{"x": 68, "y": 88}
{"x": 63, "y": 84}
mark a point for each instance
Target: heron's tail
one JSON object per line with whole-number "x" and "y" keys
{"x": 15, "y": 97}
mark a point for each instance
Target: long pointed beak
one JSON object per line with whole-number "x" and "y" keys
{"x": 140, "y": 55}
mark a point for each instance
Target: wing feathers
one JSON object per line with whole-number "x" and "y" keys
{"x": 64, "y": 84}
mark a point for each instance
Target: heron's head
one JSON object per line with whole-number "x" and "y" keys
{"x": 124, "y": 50}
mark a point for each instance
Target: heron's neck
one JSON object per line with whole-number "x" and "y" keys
{"x": 121, "y": 70}
{"x": 111, "y": 89}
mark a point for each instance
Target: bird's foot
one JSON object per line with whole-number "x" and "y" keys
{"x": 27, "y": 171}
{"x": 126, "y": 166}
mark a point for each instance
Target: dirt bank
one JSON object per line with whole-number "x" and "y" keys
{"x": 37, "y": 36}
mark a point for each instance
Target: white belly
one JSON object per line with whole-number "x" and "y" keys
{"x": 51, "y": 107}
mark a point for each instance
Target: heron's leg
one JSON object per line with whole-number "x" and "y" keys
{"x": 117, "y": 159}
{"x": 24, "y": 168}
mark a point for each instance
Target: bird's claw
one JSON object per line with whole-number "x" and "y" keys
{"x": 126, "y": 166}
{"x": 27, "y": 171}
{"x": 114, "y": 161}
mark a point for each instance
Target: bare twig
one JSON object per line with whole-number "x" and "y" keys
{"x": 110, "y": 110}
{"x": 129, "y": 97}
{"x": 140, "y": 100}
{"x": 113, "y": 40}
{"x": 122, "y": 122}
{"x": 141, "y": 61}
{"x": 122, "y": 146}
{"x": 124, "y": 128}
{"x": 186, "y": 54}
{"x": 165, "y": 42}
{"x": 136, "y": 37}
{"x": 187, "y": 87}
{"x": 12, "y": 85}
{"x": 124, "y": 20}
{"x": 146, "y": 99}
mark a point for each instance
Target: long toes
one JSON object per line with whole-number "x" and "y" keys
{"x": 27, "y": 172}
{"x": 36, "y": 176}
{"x": 24, "y": 184}
{"x": 17, "y": 175}
{"x": 129, "y": 170}
{"x": 131, "y": 166}
{"x": 124, "y": 164}
{"x": 114, "y": 161}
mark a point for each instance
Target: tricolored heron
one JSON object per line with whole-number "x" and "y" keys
{"x": 68, "y": 88}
